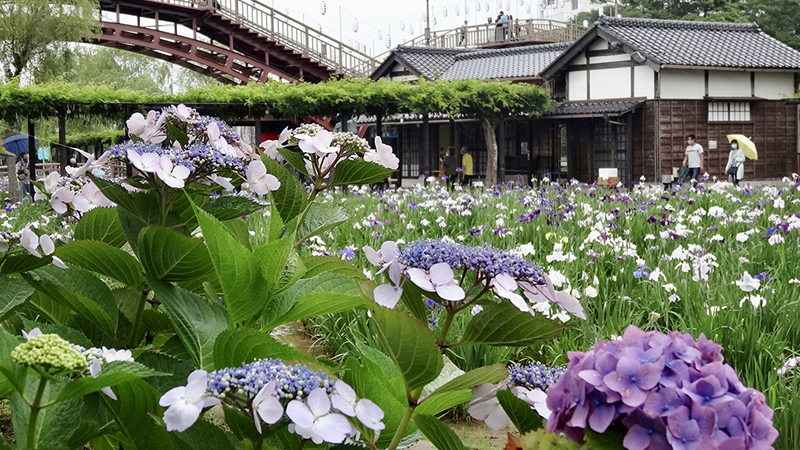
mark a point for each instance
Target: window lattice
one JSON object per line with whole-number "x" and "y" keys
{"x": 729, "y": 111}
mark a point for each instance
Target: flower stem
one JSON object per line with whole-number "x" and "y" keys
{"x": 451, "y": 314}
{"x": 137, "y": 319}
{"x": 35, "y": 408}
{"x": 401, "y": 429}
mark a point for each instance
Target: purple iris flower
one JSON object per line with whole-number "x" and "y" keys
{"x": 347, "y": 253}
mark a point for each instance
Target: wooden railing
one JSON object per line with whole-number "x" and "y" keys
{"x": 529, "y": 30}
{"x": 282, "y": 28}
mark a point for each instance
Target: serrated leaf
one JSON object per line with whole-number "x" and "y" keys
{"x": 611, "y": 439}
{"x": 275, "y": 224}
{"x": 519, "y": 328}
{"x": 100, "y": 224}
{"x": 283, "y": 303}
{"x": 320, "y": 218}
{"x": 80, "y": 291}
{"x": 205, "y": 435}
{"x": 170, "y": 256}
{"x": 231, "y": 207}
{"x": 358, "y": 171}
{"x": 243, "y": 288}
{"x": 485, "y": 374}
{"x": 316, "y": 265}
{"x": 177, "y": 134}
{"x": 14, "y": 292}
{"x": 411, "y": 298}
{"x": 411, "y": 346}
{"x": 272, "y": 258}
{"x": 22, "y": 263}
{"x": 368, "y": 381}
{"x": 111, "y": 375}
{"x": 295, "y": 160}
{"x": 134, "y": 410}
{"x": 447, "y": 400}
{"x": 244, "y": 345}
{"x": 102, "y": 258}
{"x": 521, "y": 414}
{"x": 197, "y": 321}
{"x": 13, "y": 374}
{"x": 292, "y": 272}
{"x": 291, "y": 198}
{"x": 440, "y": 435}
{"x": 179, "y": 370}
{"x": 318, "y": 304}
{"x": 54, "y": 425}
{"x": 115, "y": 193}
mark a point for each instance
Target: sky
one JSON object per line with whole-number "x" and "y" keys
{"x": 376, "y": 17}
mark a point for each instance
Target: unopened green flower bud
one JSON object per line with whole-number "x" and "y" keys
{"x": 49, "y": 351}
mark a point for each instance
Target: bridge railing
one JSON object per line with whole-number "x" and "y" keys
{"x": 291, "y": 32}
{"x": 529, "y": 30}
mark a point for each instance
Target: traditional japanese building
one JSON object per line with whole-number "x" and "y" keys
{"x": 630, "y": 90}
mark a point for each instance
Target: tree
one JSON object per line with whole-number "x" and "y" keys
{"x": 30, "y": 30}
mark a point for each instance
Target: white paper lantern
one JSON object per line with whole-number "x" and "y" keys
{"x": 487, "y": 6}
{"x": 477, "y": 6}
{"x": 466, "y": 9}
{"x": 355, "y": 25}
{"x": 499, "y": 4}
{"x": 323, "y": 8}
{"x": 380, "y": 35}
{"x": 388, "y": 42}
{"x": 528, "y": 8}
{"x": 458, "y": 11}
{"x": 434, "y": 20}
{"x": 402, "y": 26}
{"x": 508, "y": 5}
{"x": 411, "y": 30}
{"x": 521, "y": 2}
{"x": 444, "y": 12}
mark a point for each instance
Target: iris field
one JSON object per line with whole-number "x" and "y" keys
{"x": 716, "y": 260}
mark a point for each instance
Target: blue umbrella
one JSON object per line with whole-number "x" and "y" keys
{"x": 18, "y": 144}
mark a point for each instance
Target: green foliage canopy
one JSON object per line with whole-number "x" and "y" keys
{"x": 283, "y": 100}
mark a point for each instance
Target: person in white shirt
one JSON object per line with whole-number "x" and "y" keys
{"x": 735, "y": 166}
{"x": 694, "y": 158}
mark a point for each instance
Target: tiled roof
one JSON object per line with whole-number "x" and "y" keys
{"x": 430, "y": 62}
{"x": 709, "y": 44}
{"x": 612, "y": 108}
{"x": 515, "y": 62}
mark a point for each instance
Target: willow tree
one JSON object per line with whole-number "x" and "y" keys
{"x": 30, "y": 30}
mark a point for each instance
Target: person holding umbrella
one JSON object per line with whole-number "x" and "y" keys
{"x": 735, "y": 166}
{"x": 23, "y": 176}
{"x": 741, "y": 147}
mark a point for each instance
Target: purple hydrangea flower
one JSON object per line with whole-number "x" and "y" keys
{"x": 668, "y": 390}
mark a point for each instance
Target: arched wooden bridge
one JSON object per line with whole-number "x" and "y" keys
{"x": 234, "y": 41}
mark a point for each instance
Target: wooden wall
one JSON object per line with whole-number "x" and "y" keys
{"x": 773, "y": 129}
{"x": 645, "y": 157}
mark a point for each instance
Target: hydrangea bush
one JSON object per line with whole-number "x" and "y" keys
{"x": 668, "y": 390}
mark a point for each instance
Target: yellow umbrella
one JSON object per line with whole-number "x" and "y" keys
{"x": 745, "y": 144}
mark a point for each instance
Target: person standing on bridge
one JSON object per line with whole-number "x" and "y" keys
{"x": 463, "y": 40}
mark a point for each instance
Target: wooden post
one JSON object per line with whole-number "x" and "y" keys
{"x": 62, "y": 144}
{"x": 613, "y": 146}
{"x": 378, "y": 126}
{"x": 257, "y": 125}
{"x": 502, "y": 151}
{"x": 425, "y": 156}
{"x": 33, "y": 157}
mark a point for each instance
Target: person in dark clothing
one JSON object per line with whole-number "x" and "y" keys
{"x": 450, "y": 166}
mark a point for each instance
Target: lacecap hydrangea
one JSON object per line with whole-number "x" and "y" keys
{"x": 668, "y": 390}
{"x": 312, "y": 403}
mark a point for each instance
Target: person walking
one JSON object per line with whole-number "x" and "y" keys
{"x": 498, "y": 28}
{"x": 504, "y": 21}
{"x": 693, "y": 158}
{"x": 23, "y": 176}
{"x": 463, "y": 38}
{"x": 450, "y": 166}
{"x": 466, "y": 167}
{"x": 735, "y": 166}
